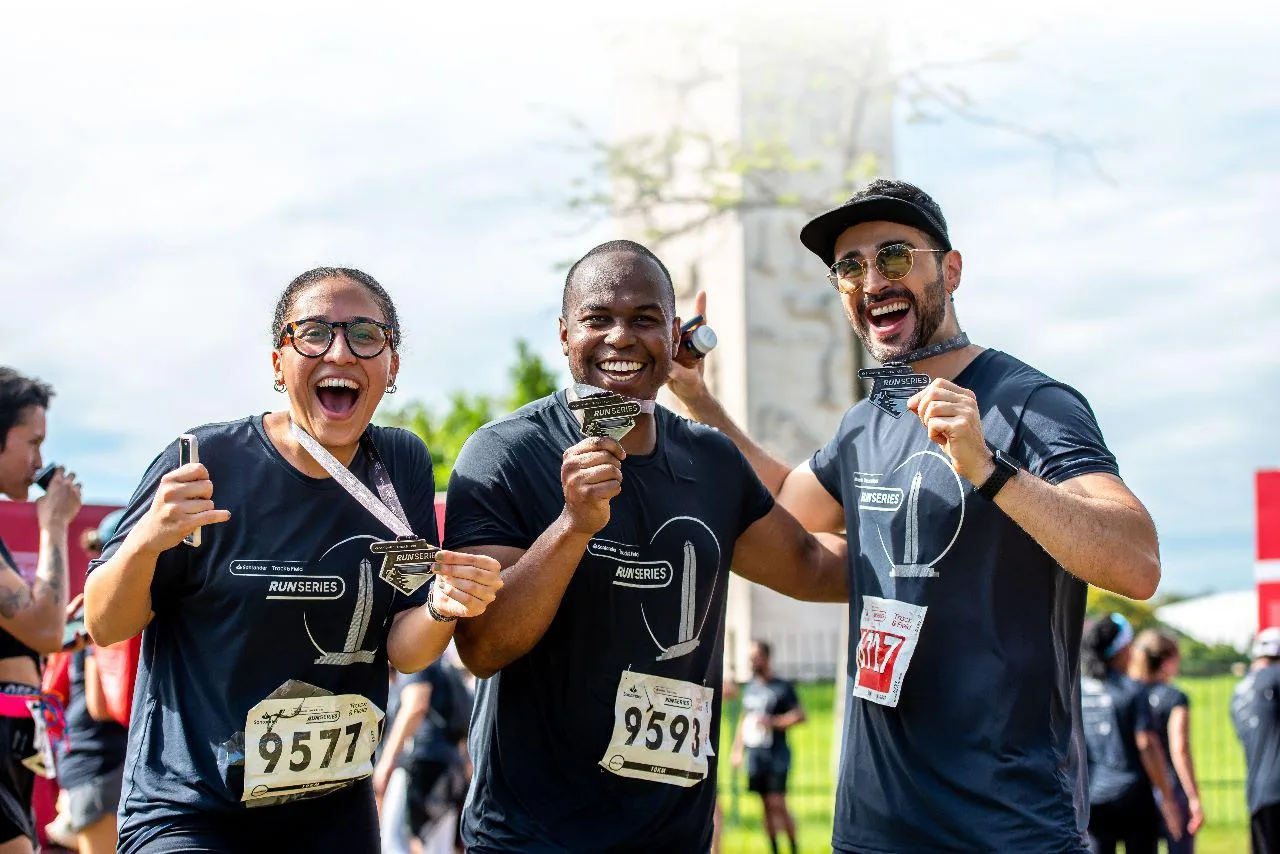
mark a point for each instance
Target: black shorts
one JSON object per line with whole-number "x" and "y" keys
{"x": 1264, "y": 830}
{"x": 343, "y": 821}
{"x": 768, "y": 781}
{"x": 16, "y": 780}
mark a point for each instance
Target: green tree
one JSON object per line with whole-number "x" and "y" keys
{"x": 445, "y": 431}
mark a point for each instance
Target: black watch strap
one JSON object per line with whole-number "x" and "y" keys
{"x": 1005, "y": 469}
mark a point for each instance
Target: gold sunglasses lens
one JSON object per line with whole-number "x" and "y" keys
{"x": 894, "y": 262}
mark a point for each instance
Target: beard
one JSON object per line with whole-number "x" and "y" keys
{"x": 930, "y": 311}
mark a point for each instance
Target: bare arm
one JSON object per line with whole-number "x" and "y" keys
{"x": 1180, "y": 750}
{"x": 1153, "y": 763}
{"x": 776, "y": 552}
{"x": 535, "y": 579}
{"x": 1092, "y": 524}
{"x": 464, "y": 586}
{"x": 36, "y": 614}
{"x": 706, "y": 409}
{"x": 117, "y": 595}
{"x": 415, "y": 702}
{"x": 786, "y": 720}
{"x": 534, "y": 583}
{"x": 95, "y": 700}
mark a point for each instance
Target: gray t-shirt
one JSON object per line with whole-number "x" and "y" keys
{"x": 983, "y": 751}
{"x": 1255, "y": 709}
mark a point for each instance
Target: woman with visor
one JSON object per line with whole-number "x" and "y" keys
{"x": 273, "y": 581}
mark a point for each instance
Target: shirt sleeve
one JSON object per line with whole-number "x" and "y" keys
{"x": 1143, "y": 721}
{"x": 482, "y": 508}
{"x": 757, "y": 501}
{"x": 177, "y": 571}
{"x": 825, "y": 465}
{"x": 1058, "y": 437}
{"x": 787, "y": 699}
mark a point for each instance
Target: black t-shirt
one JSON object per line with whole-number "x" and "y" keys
{"x": 433, "y": 742}
{"x": 95, "y": 747}
{"x": 648, "y": 597}
{"x": 1255, "y": 709}
{"x": 9, "y": 645}
{"x": 982, "y": 751}
{"x": 287, "y": 589}
{"x": 766, "y": 747}
{"x": 1115, "y": 710}
{"x": 1164, "y": 698}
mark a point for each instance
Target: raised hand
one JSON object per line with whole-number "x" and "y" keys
{"x": 591, "y": 475}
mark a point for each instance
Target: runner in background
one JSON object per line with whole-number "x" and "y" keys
{"x": 1255, "y": 710}
{"x": 32, "y": 615}
{"x": 265, "y": 647}
{"x": 1155, "y": 662}
{"x": 1126, "y": 764}
{"x": 770, "y": 707}
{"x": 90, "y": 773}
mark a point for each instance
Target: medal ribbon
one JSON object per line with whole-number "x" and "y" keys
{"x": 919, "y": 355}
{"x": 387, "y": 510}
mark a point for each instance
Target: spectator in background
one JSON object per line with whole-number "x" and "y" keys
{"x": 32, "y": 614}
{"x": 1125, "y": 759}
{"x": 92, "y": 769}
{"x": 1155, "y": 662}
{"x": 428, "y": 739}
{"x": 1255, "y": 709}
{"x": 769, "y": 708}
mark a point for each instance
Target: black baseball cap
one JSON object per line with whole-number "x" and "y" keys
{"x": 871, "y": 205}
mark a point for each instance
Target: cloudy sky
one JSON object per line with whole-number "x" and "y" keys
{"x": 164, "y": 172}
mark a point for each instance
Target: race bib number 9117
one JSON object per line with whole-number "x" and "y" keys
{"x": 661, "y": 730}
{"x": 306, "y": 745}
{"x": 888, "y": 631}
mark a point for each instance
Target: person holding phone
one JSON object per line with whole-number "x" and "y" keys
{"x": 32, "y": 614}
{"x": 265, "y": 649}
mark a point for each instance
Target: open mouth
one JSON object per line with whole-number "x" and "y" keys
{"x": 621, "y": 371}
{"x": 889, "y": 316}
{"x": 338, "y": 396}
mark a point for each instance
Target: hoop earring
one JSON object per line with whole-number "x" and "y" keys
{"x": 279, "y": 386}
{"x": 391, "y": 389}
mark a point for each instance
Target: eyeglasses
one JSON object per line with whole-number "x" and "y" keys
{"x": 893, "y": 262}
{"x": 313, "y": 338}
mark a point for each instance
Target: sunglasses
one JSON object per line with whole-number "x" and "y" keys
{"x": 893, "y": 262}
{"x": 313, "y": 338}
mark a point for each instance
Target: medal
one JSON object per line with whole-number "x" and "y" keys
{"x": 894, "y": 382}
{"x": 606, "y": 413}
{"x": 406, "y": 564}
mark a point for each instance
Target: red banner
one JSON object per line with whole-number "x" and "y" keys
{"x": 1267, "y": 569}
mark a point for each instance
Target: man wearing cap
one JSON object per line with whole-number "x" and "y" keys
{"x": 980, "y": 501}
{"x": 1255, "y": 709}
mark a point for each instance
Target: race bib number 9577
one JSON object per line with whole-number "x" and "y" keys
{"x": 307, "y": 745}
{"x": 661, "y": 730}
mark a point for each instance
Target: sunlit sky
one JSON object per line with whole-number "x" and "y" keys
{"x": 165, "y": 172}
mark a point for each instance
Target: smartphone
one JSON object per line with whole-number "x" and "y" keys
{"x": 189, "y": 452}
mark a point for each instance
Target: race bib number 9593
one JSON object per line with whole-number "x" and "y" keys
{"x": 307, "y": 745}
{"x": 661, "y": 730}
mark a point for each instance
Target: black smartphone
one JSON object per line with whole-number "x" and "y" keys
{"x": 189, "y": 452}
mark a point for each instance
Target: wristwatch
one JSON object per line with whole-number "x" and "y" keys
{"x": 1006, "y": 468}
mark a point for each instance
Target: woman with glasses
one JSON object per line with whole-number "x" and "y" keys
{"x": 274, "y": 578}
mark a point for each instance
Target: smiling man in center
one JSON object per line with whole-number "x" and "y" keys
{"x": 599, "y": 701}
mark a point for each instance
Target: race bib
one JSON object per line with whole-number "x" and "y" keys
{"x": 661, "y": 730}
{"x": 308, "y": 745}
{"x": 887, "y": 640}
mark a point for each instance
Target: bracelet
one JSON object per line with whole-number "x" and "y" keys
{"x": 431, "y": 609}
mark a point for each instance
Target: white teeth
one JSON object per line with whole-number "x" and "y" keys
{"x": 621, "y": 367}
{"x": 896, "y": 305}
{"x": 338, "y": 382}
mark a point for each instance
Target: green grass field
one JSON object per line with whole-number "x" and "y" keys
{"x": 1219, "y": 761}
